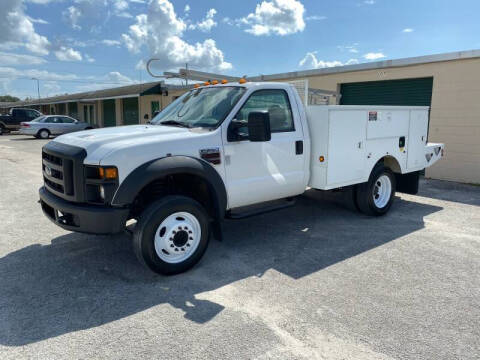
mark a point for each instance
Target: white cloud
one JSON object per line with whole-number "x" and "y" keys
{"x": 17, "y": 30}
{"x": 374, "y": 56}
{"x": 93, "y": 12}
{"x": 310, "y": 61}
{"x": 111, "y": 42}
{"x": 315, "y": 18}
{"x": 120, "y": 9}
{"x": 9, "y": 72}
{"x": 207, "y": 23}
{"x": 276, "y": 17}
{"x": 68, "y": 54}
{"x": 19, "y": 59}
{"x": 115, "y": 76}
{"x": 38, "y": 21}
{"x": 50, "y": 88}
{"x": 41, "y": 2}
{"x": 186, "y": 9}
{"x": 349, "y": 48}
{"x": 89, "y": 58}
{"x": 72, "y": 15}
{"x": 162, "y": 31}
{"x": 408, "y": 30}
{"x": 369, "y": 2}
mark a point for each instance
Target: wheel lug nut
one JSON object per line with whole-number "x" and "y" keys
{"x": 189, "y": 231}
{"x": 176, "y": 249}
{"x": 171, "y": 245}
{"x": 183, "y": 249}
{"x": 191, "y": 238}
{"x": 188, "y": 245}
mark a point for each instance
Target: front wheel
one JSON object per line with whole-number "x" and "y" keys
{"x": 171, "y": 235}
{"x": 375, "y": 197}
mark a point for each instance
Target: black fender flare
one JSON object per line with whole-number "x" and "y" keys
{"x": 171, "y": 165}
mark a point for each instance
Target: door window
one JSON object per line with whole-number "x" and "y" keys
{"x": 67, "y": 120}
{"x": 31, "y": 114}
{"x": 54, "y": 120}
{"x": 275, "y": 103}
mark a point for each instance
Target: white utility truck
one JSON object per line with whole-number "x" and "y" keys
{"x": 217, "y": 152}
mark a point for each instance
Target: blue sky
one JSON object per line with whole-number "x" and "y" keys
{"x": 82, "y": 45}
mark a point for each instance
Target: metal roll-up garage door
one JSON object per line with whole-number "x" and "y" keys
{"x": 404, "y": 92}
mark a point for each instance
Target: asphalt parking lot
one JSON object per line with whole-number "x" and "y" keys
{"x": 316, "y": 281}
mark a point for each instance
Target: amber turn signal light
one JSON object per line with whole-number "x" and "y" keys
{"x": 109, "y": 173}
{"x": 321, "y": 158}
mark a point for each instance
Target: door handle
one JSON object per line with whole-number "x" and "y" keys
{"x": 299, "y": 147}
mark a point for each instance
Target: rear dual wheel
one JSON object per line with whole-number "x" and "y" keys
{"x": 375, "y": 197}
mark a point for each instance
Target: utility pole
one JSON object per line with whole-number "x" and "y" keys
{"x": 38, "y": 87}
{"x": 186, "y": 74}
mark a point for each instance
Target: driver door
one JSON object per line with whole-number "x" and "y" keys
{"x": 264, "y": 171}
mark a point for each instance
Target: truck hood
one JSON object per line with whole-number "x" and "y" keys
{"x": 100, "y": 142}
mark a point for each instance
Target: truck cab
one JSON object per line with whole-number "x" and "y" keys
{"x": 213, "y": 151}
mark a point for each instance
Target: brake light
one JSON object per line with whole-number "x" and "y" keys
{"x": 24, "y": 125}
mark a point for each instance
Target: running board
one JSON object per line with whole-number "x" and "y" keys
{"x": 256, "y": 210}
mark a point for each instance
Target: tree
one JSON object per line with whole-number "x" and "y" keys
{"x": 8, "y": 98}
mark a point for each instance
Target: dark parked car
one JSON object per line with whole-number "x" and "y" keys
{"x": 12, "y": 121}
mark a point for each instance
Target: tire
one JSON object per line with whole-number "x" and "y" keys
{"x": 88, "y": 128}
{"x": 375, "y": 197}
{"x": 1, "y": 130}
{"x": 43, "y": 134}
{"x": 171, "y": 235}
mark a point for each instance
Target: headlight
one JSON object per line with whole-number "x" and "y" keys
{"x": 100, "y": 183}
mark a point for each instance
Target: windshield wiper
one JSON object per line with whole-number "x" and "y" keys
{"x": 175, "y": 123}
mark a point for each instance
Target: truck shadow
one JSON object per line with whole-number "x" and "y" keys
{"x": 81, "y": 281}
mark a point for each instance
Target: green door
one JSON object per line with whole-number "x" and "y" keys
{"x": 130, "y": 111}
{"x": 109, "y": 115}
{"x": 73, "y": 110}
{"x": 155, "y": 107}
{"x": 404, "y": 92}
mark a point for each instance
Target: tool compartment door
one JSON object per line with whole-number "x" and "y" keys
{"x": 417, "y": 139}
{"x": 346, "y": 146}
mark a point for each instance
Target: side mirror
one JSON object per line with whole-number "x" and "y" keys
{"x": 259, "y": 127}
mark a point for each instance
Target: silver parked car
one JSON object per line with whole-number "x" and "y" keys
{"x": 46, "y": 125}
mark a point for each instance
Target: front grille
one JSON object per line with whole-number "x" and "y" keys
{"x": 62, "y": 167}
{"x": 52, "y": 159}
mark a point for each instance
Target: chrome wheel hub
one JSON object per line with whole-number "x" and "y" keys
{"x": 177, "y": 237}
{"x": 382, "y": 191}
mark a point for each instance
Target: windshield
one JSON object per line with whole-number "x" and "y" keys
{"x": 203, "y": 107}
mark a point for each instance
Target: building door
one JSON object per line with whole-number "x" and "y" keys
{"x": 404, "y": 92}
{"x": 130, "y": 111}
{"x": 88, "y": 113}
{"x": 73, "y": 110}
{"x": 109, "y": 114}
{"x": 155, "y": 107}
